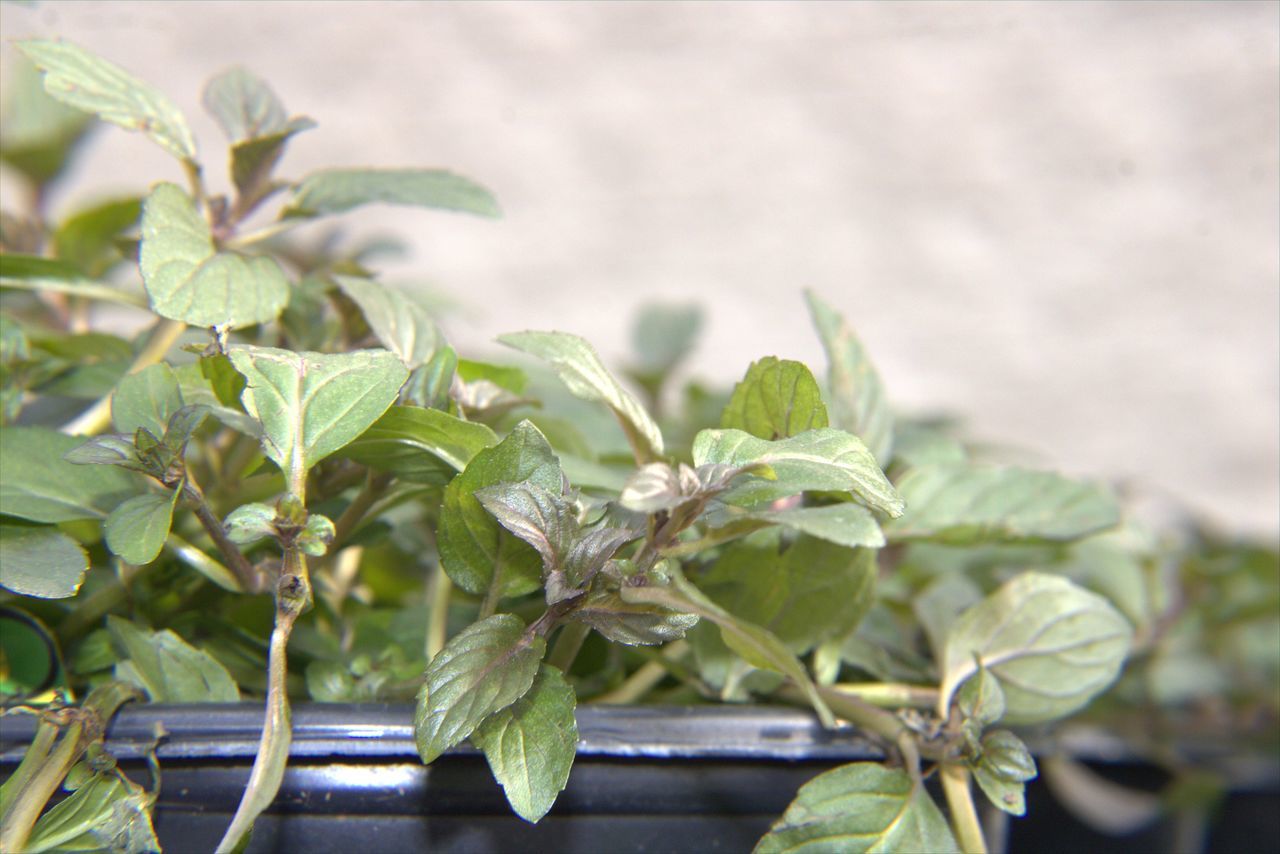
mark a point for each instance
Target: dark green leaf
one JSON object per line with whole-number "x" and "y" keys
{"x": 474, "y": 549}
{"x": 312, "y": 404}
{"x": 41, "y": 486}
{"x": 777, "y": 399}
{"x": 87, "y": 239}
{"x": 188, "y": 280}
{"x": 631, "y": 623}
{"x": 1053, "y": 646}
{"x": 37, "y": 133}
{"x": 401, "y": 323}
{"x": 168, "y": 668}
{"x": 544, "y": 519}
{"x": 858, "y": 402}
{"x": 336, "y": 190}
{"x": 429, "y": 383}
{"x": 146, "y": 399}
{"x": 41, "y": 561}
{"x": 137, "y": 529}
{"x": 253, "y": 161}
{"x": 87, "y": 82}
{"x": 530, "y": 744}
{"x": 970, "y": 503}
{"x": 486, "y": 668}
{"x": 225, "y": 381}
{"x": 581, "y": 370}
{"x": 860, "y": 807}
{"x": 420, "y": 445}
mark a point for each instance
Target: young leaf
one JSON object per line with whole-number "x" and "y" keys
{"x": 475, "y": 550}
{"x": 39, "y": 485}
{"x": 1053, "y": 645}
{"x": 530, "y": 745}
{"x": 777, "y": 399}
{"x": 137, "y": 529}
{"x": 41, "y": 561}
{"x": 87, "y": 82}
{"x": 312, "y": 404}
{"x": 758, "y": 646}
{"x": 659, "y": 486}
{"x": 168, "y": 668}
{"x": 429, "y": 384}
{"x": 544, "y": 519}
{"x": 981, "y": 699}
{"x": 336, "y": 190}
{"x": 844, "y": 524}
{"x": 858, "y": 401}
{"x": 420, "y": 445}
{"x": 190, "y": 281}
{"x": 108, "y": 449}
{"x": 827, "y": 459}
{"x": 402, "y": 324}
{"x": 146, "y": 399}
{"x": 253, "y": 160}
{"x": 482, "y": 670}
{"x": 581, "y": 370}
{"x": 860, "y": 807}
{"x": 970, "y": 503}
{"x": 631, "y": 623}
{"x": 244, "y": 105}
{"x": 1003, "y": 770}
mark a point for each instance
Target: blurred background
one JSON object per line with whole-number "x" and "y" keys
{"x": 1058, "y": 222}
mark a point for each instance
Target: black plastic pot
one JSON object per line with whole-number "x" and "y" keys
{"x": 645, "y": 779}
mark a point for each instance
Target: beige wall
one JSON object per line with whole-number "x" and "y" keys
{"x": 1058, "y": 221}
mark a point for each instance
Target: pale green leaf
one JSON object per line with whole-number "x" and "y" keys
{"x": 420, "y": 445}
{"x": 39, "y": 485}
{"x": 87, "y": 82}
{"x": 966, "y": 503}
{"x": 862, "y": 807}
{"x": 582, "y": 372}
{"x": 402, "y": 324}
{"x": 336, "y": 190}
{"x": 826, "y": 459}
{"x": 38, "y": 134}
{"x": 1007, "y": 795}
{"x": 661, "y": 337}
{"x": 845, "y": 524}
{"x": 188, "y": 280}
{"x": 858, "y": 401}
{"x": 105, "y": 813}
{"x": 170, "y": 669}
{"x": 312, "y": 404}
{"x": 777, "y": 399}
{"x": 146, "y": 399}
{"x": 41, "y": 562}
{"x": 1003, "y": 769}
{"x": 475, "y": 550}
{"x": 33, "y": 273}
{"x": 530, "y": 745}
{"x": 1053, "y": 645}
{"x": 941, "y": 603}
{"x": 137, "y": 529}
{"x": 244, "y": 105}
{"x": 482, "y": 670}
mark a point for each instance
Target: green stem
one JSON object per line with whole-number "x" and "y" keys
{"x": 346, "y": 524}
{"x": 492, "y": 595}
{"x": 27, "y": 804}
{"x": 568, "y": 645}
{"x": 265, "y": 233}
{"x": 249, "y": 578}
{"x": 36, "y": 757}
{"x": 890, "y": 695}
{"x": 964, "y": 817}
{"x": 438, "y": 588}
{"x": 96, "y": 418}
{"x": 645, "y": 678}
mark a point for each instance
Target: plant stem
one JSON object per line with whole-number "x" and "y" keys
{"x": 249, "y": 578}
{"x": 964, "y": 817}
{"x": 648, "y": 675}
{"x": 439, "y": 586}
{"x": 292, "y": 596}
{"x": 96, "y": 418}
{"x": 36, "y": 757}
{"x": 492, "y": 595}
{"x": 265, "y": 233}
{"x": 346, "y": 524}
{"x": 28, "y": 803}
{"x": 567, "y": 646}
{"x": 890, "y": 695}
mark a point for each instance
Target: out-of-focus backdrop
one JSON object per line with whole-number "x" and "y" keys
{"x": 1060, "y": 222}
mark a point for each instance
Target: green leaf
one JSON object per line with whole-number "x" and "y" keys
{"x": 1007, "y": 795}
{"x": 475, "y": 550}
{"x": 32, "y": 273}
{"x": 253, "y": 160}
{"x": 87, "y": 82}
{"x": 188, "y": 280}
{"x": 336, "y": 190}
{"x": 105, "y": 813}
{"x": 312, "y": 404}
{"x": 858, "y": 402}
{"x": 168, "y": 668}
{"x": 244, "y": 105}
{"x": 41, "y": 561}
{"x": 662, "y": 336}
{"x": 860, "y": 807}
{"x": 41, "y": 486}
{"x": 530, "y": 744}
{"x": 482, "y": 670}
{"x": 970, "y": 503}
{"x": 429, "y": 384}
{"x": 1053, "y": 645}
{"x": 631, "y": 623}
{"x": 511, "y": 378}
{"x": 108, "y": 449}
{"x": 809, "y": 593}
{"x": 659, "y": 486}
{"x": 777, "y": 399}
{"x": 137, "y": 529}
{"x": 402, "y": 324}
{"x": 581, "y": 370}
{"x": 37, "y": 133}
{"x": 146, "y": 399}
{"x": 980, "y": 699}
{"x": 941, "y": 603}
{"x": 844, "y": 524}
{"x": 758, "y": 646}
{"x": 88, "y": 239}
{"x": 827, "y": 460}
{"x": 1003, "y": 769}
{"x": 249, "y": 523}
{"x": 420, "y": 445}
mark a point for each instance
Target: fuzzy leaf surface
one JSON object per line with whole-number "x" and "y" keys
{"x": 1052, "y": 645}
{"x": 482, "y": 670}
{"x": 777, "y": 399}
{"x": 861, "y": 807}
{"x": 530, "y": 744}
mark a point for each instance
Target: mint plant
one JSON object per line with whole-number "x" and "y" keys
{"x": 291, "y": 487}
